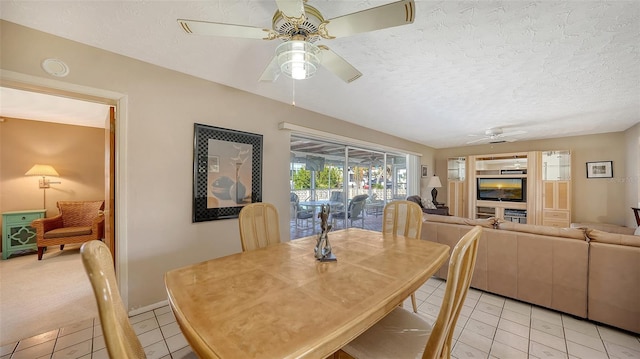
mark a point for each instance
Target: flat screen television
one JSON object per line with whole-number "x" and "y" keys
{"x": 502, "y": 189}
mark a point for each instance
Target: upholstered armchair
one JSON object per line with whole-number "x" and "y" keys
{"x": 78, "y": 222}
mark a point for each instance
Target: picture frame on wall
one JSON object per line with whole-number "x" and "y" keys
{"x": 425, "y": 171}
{"x": 600, "y": 169}
{"x": 227, "y": 172}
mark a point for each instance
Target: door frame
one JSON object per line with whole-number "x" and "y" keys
{"x": 31, "y": 83}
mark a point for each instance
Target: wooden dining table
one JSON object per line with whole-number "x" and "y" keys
{"x": 280, "y": 302}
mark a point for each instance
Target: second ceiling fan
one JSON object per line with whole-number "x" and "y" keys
{"x": 300, "y": 25}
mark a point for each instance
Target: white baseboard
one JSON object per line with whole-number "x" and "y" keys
{"x": 148, "y": 308}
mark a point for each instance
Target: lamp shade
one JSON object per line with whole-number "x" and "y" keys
{"x": 42, "y": 170}
{"x": 434, "y": 182}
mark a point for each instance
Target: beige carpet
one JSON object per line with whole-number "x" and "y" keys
{"x": 39, "y": 296}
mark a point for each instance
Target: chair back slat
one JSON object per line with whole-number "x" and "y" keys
{"x": 259, "y": 226}
{"x": 461, "y": 265}
{"x": 402, "y": 218}
{"x": 119, "y": 337}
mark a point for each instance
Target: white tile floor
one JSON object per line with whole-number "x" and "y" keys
{"x": 157, "y": 330}
{"x": 489, "y": 326}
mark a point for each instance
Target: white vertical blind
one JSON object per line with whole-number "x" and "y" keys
{"x": 413, "y": 175}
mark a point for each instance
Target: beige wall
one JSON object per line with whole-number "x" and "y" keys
{"x": 162, "y": 107}
{"x": 632, "y": 179}
{"x": 594, "y": 200}
{"x": 76, "y": 152}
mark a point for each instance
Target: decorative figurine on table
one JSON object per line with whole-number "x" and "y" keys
{"x": 323, "y": 248}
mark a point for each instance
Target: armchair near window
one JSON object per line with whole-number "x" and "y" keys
{"x": 355, "y": 210}
{"x": 78, "y": 222}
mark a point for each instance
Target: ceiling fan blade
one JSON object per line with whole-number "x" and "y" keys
{"x": 478, "y": 140}
{"x": 227, "y": 30}
{"x": 513, "y": 133}
{"x": 381, "y": 17}
{"x": 339, "y": 66}
{"x": 291, "y": 8}
{"x": 272, "y": 71}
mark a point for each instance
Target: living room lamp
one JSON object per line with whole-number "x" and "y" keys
{"x": 44, "y": 183}
{"x": 434, "y": 182}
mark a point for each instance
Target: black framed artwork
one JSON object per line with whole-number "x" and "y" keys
{"x": 601, "y": 169}
{"x": 227, "y": 172}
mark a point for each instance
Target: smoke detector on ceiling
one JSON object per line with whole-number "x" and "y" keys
{"x": 55, "y": 67}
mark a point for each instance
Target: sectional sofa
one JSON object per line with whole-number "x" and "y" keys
{"x": 585, "y": 272}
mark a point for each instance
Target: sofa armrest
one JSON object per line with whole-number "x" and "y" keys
{"x": 43, "y": 225}
{"x": 98, "y": 225}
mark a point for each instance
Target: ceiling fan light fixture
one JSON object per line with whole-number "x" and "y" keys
{"x": 298, "y": 59}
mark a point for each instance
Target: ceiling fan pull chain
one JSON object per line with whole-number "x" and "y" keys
{"x": 293, "y": 93}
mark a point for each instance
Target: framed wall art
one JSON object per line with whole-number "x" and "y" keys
{"x": 425, "y": 171}
{"x": 602, "y": 169}
{"x": 227, "y": 172}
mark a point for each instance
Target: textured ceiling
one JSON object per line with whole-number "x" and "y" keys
{"x": 550, "y": 68}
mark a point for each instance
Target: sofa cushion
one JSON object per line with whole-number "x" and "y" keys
{"x": 574, "y": 233}
{"x": 487, "y": 223}
{"x": 613, "y": 238}
{"x": 67, "y": 232}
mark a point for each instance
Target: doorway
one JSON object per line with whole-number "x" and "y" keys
{"x": 108, "y": 122}
{"x": 72, "y": 112}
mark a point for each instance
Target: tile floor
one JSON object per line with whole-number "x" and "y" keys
{"x": 489, "y": 326}
{"x": 157, "y": 330}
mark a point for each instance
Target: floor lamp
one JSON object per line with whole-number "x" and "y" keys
{"x": 44, "y": 183}
{"x": 435, "y": 183}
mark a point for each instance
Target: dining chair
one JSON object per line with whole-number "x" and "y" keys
{"x": 301, "y": 213}
{"x": 402, "y": 334}
{"x": 259, "y": 226}
{"x": 120, "y": 339}
{"x": 403, "y": 218}
{"x": 336, "y": 196}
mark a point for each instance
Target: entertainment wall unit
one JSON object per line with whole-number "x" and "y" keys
{"x": 498, "y": 187}
{"x": 524, "y": 187}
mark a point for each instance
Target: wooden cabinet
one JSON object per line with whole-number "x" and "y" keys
{"x": 17, "y": 233}
{"x": 510, "y": 212}
{"x": 548, "y": 187}
{"x": 555, "y": 176}
{"x": 556, "y": 203}
{"x": 456, "y": 184}
{"x": 455, "y": 198}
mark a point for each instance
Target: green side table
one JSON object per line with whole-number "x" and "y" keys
{"x": 17, "y": 233}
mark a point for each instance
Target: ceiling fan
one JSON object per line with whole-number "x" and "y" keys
{"x": 300, "y": 25}
{"x": 496, "y": 135}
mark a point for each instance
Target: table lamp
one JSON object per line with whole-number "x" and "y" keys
{"x": 435, "y": 183}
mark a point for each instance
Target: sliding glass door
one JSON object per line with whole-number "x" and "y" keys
{"x": 355, "y": 182}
